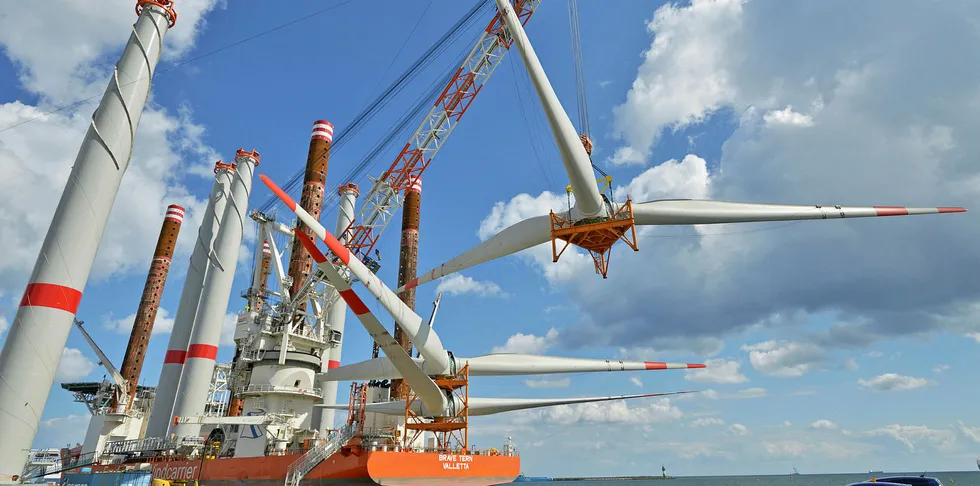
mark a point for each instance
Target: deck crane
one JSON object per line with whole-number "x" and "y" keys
{"x": 386, "y": 194}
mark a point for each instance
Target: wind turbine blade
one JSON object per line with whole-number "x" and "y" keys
{"x": 573, "y": 154}
{"x": 532, "y": 364}
{"x": 427, "y": 341}
{"x": 427, "y": 390}
{"x": 692, "y": 211}
{"x": 506, "y": 364}
{"x": 488, "y": 406}
{"x": 520, "y": 236}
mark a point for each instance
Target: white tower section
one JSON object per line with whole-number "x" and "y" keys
{"x": 337, "y": 313}
{"x": 40, "y": 328}
{"x": 161, "y": 416}
{"x": 202, "y": 351}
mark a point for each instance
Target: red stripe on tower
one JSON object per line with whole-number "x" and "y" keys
{"x": 322, "y": 130}
{"x": 175, "y": 213}
{"x": 205, "y": 351}
{"x": 354, "y": 302}
{"x": 51, "y": 295}
{"x": 175, "y": 356}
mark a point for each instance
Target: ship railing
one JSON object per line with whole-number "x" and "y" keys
{"x": 140, "y": 445}
{"x": 310, "y": 392}
{"x": 317, "y": 453}
{"x": 73, "y": 462}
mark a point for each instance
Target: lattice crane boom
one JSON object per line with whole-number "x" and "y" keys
{"x": 386, "y": 195}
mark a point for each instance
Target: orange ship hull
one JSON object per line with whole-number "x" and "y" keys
{"x": 367, "y": 467}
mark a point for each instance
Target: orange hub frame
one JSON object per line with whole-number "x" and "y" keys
{"x": 597, "y": 238}
{"x": 452, "y": 433}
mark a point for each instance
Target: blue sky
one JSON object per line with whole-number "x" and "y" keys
{"x": 834, "y": 346}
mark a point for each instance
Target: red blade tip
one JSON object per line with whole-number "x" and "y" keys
{"x": 952, "y": 210}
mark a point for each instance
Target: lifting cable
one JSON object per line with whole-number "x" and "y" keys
{"x": 583, "y": 103}
{"x": 433, "y": 52}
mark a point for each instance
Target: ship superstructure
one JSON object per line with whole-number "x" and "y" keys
{"x": 269, "y": 416}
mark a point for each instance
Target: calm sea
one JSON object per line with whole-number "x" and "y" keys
{"x": 960, "y": 478}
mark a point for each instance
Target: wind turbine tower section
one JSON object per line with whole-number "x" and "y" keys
{"x": 47, "y": 309}
{"x": 190, "y": 296}
{"x": 195, "y": 378}
{"x": 407, "y": 267}
{"x": 300, "y": 262}
{"x": 132, "y": 364}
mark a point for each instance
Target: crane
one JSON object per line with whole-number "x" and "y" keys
{"x": 386, "y": 194}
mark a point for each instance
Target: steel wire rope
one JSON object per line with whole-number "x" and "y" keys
{"x": 434, "y": 51}
{"x": 527, "y": 126}
{"x": 184, "y": 63}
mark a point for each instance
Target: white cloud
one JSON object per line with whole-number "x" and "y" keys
{"x": 974, "y": 335}
{"x": 787, "y": 117}
{"x": 787, "y": 423}
{"x": 528, "y": 343}
{"x": 717, "y": 371}
{"x": 972, "y": 433}
{"x": 619, "y": 411}
{"x": 457, "y": 284}
{"x": 751, "y": 393}
{"x": 228, "y": 330}
{"x": 162, "y": 324}
{"x": 684, "y": 76}
{"x": 894, "y": 382}
{"x": 823, "y": 424}
{"x": 738, "y": 429}
{"x": 671, "y": 179}
{"x": 549, "y": 383}
{"x": 851, "y": 364}
{"x": 875, "y": 354}
{"x": 4, "y": 325}
{"x": 912, "y": 434}
{"x": 707, "y": 421}
{"x": 73, "y": 365}
{"x": 940, "y": 368}
{"x": 779, "y": 358}
{"x": 636, "y": 381}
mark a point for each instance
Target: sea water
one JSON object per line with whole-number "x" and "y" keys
{"x": 959, "y": 478}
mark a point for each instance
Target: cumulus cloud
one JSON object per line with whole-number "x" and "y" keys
{"x": 972, "y": 433}
{"x": 785, "y": 359}
{"x": 894, "y": 382}
{"x": 717, "y": 371}
{"x": 683, "y": 78}
{"x": 4, "y": 325}
{"x": 910, "y": 435}
{"x": 59, "y": 431}
{"x": 707, "y": 421}
{"x": 738, "y": 429}
{"x": 787, "y": 117}
{"x": 636, "y": 381}
{"x": 548, "y": 383}
{"x": 528, "y": 343}
{"x": 940, "y": 368}
{"x": 823, "y": 424}
{"x": 73, "y": 365}
{"x": 620, "y": 411}
{"x": 457, "y": 284}
{"x": 163, "y": 323}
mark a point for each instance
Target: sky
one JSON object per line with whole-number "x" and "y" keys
{"x": 832, "y": 346}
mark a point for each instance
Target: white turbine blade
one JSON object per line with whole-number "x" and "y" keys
{"x": 427, "y": 390}
{"x": 426, "y": 340}
{"x": 691, "y": 211}
{"x": 379, "y": 368}
{"x": 488, "y": 406}
{"x": 506, "y": 364}
{"x": 531, "y": 364}
{"x": 520, "y": 236}
{"x": 573, "y": 154}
